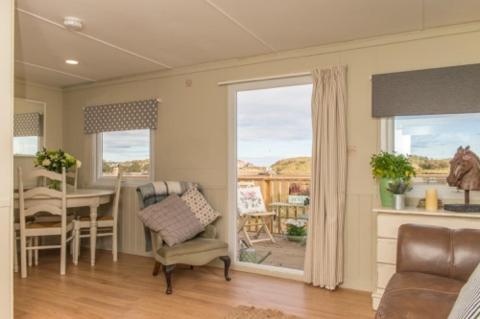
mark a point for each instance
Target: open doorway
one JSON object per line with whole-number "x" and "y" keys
{"x": 270, "y": 172}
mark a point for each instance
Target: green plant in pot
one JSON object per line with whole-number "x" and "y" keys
{"x": 387, "y": 168}
{"x": 398, "y": 188}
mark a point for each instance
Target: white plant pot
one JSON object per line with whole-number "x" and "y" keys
{"x": 399, "y": 201}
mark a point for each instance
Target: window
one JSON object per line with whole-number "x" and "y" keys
{"x": 26, "y": 145}
{"x": 431, "y": 141}
{"x": 130, "y": 150}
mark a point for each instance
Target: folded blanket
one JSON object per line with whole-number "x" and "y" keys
{"x": 155, "y": 192}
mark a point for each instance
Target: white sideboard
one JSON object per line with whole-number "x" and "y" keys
{"x": 388, "y": 222}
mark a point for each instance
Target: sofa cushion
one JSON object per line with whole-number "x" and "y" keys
{"x": 467, "y": 305}
{"x": 199, "y": 206}
{"x": 418, "y": 296}
{"x": 197, "y": 245}
{"x": 417, "y": 280}
{"x": 172, "y": 219}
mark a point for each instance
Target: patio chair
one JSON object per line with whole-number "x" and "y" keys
{"x": 250, "y": 207}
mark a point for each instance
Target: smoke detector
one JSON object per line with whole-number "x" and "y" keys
{"x": 73, "y": 23}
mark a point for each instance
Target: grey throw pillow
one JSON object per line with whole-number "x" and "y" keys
{"x": 172, "y": 219}
{"x": 467, "y": 305}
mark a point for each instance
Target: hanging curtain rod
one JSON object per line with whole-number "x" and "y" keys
{"x": 273, "y": 77}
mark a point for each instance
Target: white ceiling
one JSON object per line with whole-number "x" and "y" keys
{"x": 124, "y": 37}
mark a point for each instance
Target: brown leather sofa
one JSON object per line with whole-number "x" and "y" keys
{"x": 433, "y": 263}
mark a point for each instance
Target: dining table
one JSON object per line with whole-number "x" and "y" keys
{"x": 84, "y": 197}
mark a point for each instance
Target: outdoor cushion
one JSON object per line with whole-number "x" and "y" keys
{"x": 250, "y": 200}
{"x": 172, "y": 219}
{"x": 199, "y": 206}
{"x": 197, "y": 245}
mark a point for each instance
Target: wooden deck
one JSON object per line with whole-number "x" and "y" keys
{"x": 284, "y": 253}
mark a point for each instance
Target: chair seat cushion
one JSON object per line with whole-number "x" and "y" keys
{"x": 417, "y": 295}
{"x": 197, "y": 245}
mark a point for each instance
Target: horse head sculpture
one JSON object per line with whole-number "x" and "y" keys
{"x": 465, "y": 171}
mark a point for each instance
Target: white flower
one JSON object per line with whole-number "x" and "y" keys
{"x": 79, "y": 164}
{"x": 46, "y": 162}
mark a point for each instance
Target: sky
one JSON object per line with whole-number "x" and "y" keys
{"x": 126, "y": 145}
{"x": 274, "y": 124}
{"x": 437, "y": 136}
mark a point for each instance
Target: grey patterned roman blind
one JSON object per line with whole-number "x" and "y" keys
{"x": 133, "y": 115}
{"x": 28, "y": 124}
{"x": 434, "y": 91}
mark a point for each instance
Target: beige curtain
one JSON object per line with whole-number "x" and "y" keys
{"x": 324, "y": 253}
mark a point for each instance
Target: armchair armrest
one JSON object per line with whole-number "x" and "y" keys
{"x": 157, "y": 241}
{"x": 210, "y": 232}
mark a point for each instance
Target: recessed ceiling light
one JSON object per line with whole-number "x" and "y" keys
{"x": 71, "y": 61}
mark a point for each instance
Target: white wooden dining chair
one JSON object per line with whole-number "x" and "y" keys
{"x": 107, "y": 225}
{"x": 45, "y": 200}
{"x": 72, "y": 178}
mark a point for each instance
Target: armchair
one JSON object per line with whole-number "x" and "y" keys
{"x": 195, "y": 252}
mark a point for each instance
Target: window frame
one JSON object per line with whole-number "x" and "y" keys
{"x": 387, "y": 143}
{"x": 97, "y": 159}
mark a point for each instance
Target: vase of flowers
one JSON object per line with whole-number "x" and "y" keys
{"x": 55, "y": 161}
{"x": 297, "y": 230}
{"x": 388, "y": 168}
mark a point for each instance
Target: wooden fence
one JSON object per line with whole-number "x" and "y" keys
{"x": 275, "y": 192}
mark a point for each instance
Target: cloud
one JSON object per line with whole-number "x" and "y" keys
{"x": 126, "y": 145}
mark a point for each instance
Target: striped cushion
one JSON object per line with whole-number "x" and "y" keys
{"x": 467, "y": 305}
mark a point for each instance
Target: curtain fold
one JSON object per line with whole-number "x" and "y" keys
{"x": 324, "y": 252}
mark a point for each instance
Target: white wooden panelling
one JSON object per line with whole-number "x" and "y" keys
{"x": 385, "y": 272}
{"x": 387, "y": 251}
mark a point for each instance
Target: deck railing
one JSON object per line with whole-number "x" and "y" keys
{"x": 275, "y": 191}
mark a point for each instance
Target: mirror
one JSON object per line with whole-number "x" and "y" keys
{"x": 29, "y": 127}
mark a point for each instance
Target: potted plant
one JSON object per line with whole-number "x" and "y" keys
{"x": 398, "y": 188}
{"x": 387, "y": 168}
{"x": 55, "y": 160}
{"x": 296, "y": 230}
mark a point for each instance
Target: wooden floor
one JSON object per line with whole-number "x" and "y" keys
{"x": 128, "y": 290}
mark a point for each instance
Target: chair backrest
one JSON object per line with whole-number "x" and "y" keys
{"x": 250, "y": 200}
{"x": 41, "y": 198}
{"x": 155, "y": 192}
{"x": 116, "y": 198}
{"x": 452, "y": 253}
{"x": 72, "y": 177}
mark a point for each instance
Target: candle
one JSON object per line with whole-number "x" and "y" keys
{"x": 431, "y": 200}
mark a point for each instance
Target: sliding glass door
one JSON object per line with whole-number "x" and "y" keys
{"x": 272, "y": 172}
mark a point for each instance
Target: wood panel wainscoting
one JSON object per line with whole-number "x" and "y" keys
{"x": 127, "y": 290}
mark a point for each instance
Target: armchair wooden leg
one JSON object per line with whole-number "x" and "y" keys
{"x": 156, "y": 268}
{"x": 227, "y": 261}
{"x": 168, "y": 270}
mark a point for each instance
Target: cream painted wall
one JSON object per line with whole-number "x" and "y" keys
{"x": 191, "y": 140}
{"x": 6, "y": 160}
